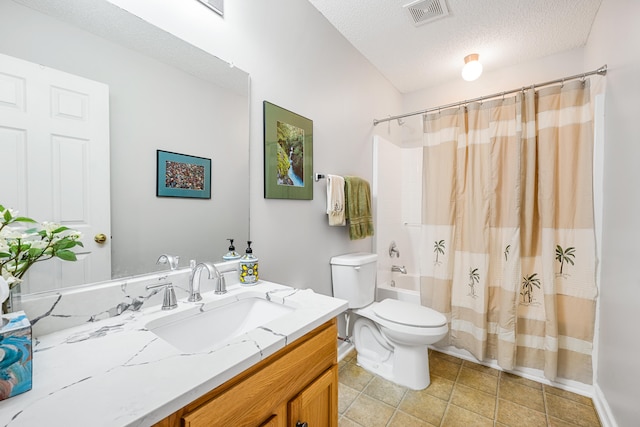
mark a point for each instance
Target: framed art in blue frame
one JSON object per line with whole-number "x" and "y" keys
{"x": 181, "y": 175}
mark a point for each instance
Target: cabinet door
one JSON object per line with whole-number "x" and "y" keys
{"x": 317, "y": 405}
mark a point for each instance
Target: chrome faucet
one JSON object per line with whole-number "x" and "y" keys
{"x": 399, "y": 269}
{"x": 172, "y": 260}
{"x": 194, "y": 282}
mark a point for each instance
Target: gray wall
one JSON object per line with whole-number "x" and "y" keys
{"x": 615, "y": 40}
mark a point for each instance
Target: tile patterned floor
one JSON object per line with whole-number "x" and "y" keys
{"x": 461, "y": 394}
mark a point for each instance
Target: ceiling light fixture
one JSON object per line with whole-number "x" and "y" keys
{"x": 472, "y": 67}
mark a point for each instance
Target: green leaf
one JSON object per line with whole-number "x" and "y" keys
{"x": 34, "y": 252}
{"x": 7, "y": 216}
{"x": 64, "y": 244}
{"x": 67, "y": 255}
{"x": 60, "y": 230}
{"x": 23, "y": 219}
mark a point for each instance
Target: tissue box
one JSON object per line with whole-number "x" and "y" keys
{"x": 15, "y": 354}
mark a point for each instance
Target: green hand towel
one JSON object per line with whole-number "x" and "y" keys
{"x": 357, "y": 196}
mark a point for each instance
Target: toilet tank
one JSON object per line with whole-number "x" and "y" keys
{"x": 353, "y": 277}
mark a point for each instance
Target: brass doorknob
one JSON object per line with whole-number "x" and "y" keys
{"x": 100, "y": 238}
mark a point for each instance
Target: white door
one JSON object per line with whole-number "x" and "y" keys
{"x": 54, "y": 164}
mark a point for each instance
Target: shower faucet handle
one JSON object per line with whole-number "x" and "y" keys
{"x": 393, "y": 250}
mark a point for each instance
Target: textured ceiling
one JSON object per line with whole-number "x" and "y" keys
{"x": 503, "y": 32}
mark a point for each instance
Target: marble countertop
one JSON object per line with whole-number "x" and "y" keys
{"x": 116, "y": 372}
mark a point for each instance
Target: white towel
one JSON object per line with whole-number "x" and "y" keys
{"x": 335, "y": 200}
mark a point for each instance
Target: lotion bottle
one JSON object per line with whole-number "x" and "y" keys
{"x": 248, "y": 267}
{"x": 232, "y": 254}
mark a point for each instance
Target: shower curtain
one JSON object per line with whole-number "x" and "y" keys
{"x": 508, "y": 243}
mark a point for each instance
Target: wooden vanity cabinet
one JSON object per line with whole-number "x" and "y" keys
{"x": 296, "y": 385}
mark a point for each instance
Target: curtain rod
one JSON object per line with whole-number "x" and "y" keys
{"x": 602, "y": 71}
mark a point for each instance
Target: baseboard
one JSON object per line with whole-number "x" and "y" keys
{"x": 344, "y": 347}
{"x": 602, "y": 407}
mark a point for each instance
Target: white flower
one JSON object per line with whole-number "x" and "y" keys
{"x": 9, "y": 278}
{"x": 50, "y": 227}
{"x": 12, "y": 233}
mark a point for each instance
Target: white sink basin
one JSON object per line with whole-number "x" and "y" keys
{"x": 199, "y": 330}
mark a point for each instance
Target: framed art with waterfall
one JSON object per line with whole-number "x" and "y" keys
{"x": 181, "y": 175}
{"x": 288, "y": 154}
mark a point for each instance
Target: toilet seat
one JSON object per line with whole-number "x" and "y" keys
{"x": 408, "y": 314}
{"x": 406, "y": 333}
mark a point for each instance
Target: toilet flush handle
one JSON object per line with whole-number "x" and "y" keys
{"x": 356, "y": 268}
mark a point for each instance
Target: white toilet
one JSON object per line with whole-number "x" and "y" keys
{"x": 390, "y": 336}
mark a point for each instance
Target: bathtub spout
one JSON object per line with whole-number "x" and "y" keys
{"x": 397, "y": 268}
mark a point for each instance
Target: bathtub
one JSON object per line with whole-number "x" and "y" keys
{"x": 403, "y": 287}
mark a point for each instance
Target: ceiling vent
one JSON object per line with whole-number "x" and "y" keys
{"x": 424, "y": 11}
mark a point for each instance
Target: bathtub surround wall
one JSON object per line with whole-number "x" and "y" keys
{"x": 397, "y": 189}
{"x": 403, "y": 287}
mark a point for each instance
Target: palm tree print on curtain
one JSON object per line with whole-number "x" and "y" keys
{"x": 564, "y": 255}
{"x": 509, "y": 179}
{"x": 474, "y": 277}
{"x": 527, "y": 288}
{"x": 438, "y": 249}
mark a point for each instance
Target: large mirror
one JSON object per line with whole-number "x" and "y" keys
{"x": 164, "y": 94}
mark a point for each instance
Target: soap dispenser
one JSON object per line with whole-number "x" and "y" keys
{"x": 232, "y": 255}
{"x": 248, "y": 267}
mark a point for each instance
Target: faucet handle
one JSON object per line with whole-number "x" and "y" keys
{"x": 172, "y": 260}
{"x": 221, "y": 285}
{"x": 170, "y": 301}
{"x": 393, "y": 250}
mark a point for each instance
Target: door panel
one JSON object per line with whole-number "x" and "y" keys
{"x": 54, "y": 135}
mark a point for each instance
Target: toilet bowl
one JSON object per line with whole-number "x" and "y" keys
{"x": 391, "y": 339}
{"x": 390, "y": 336}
